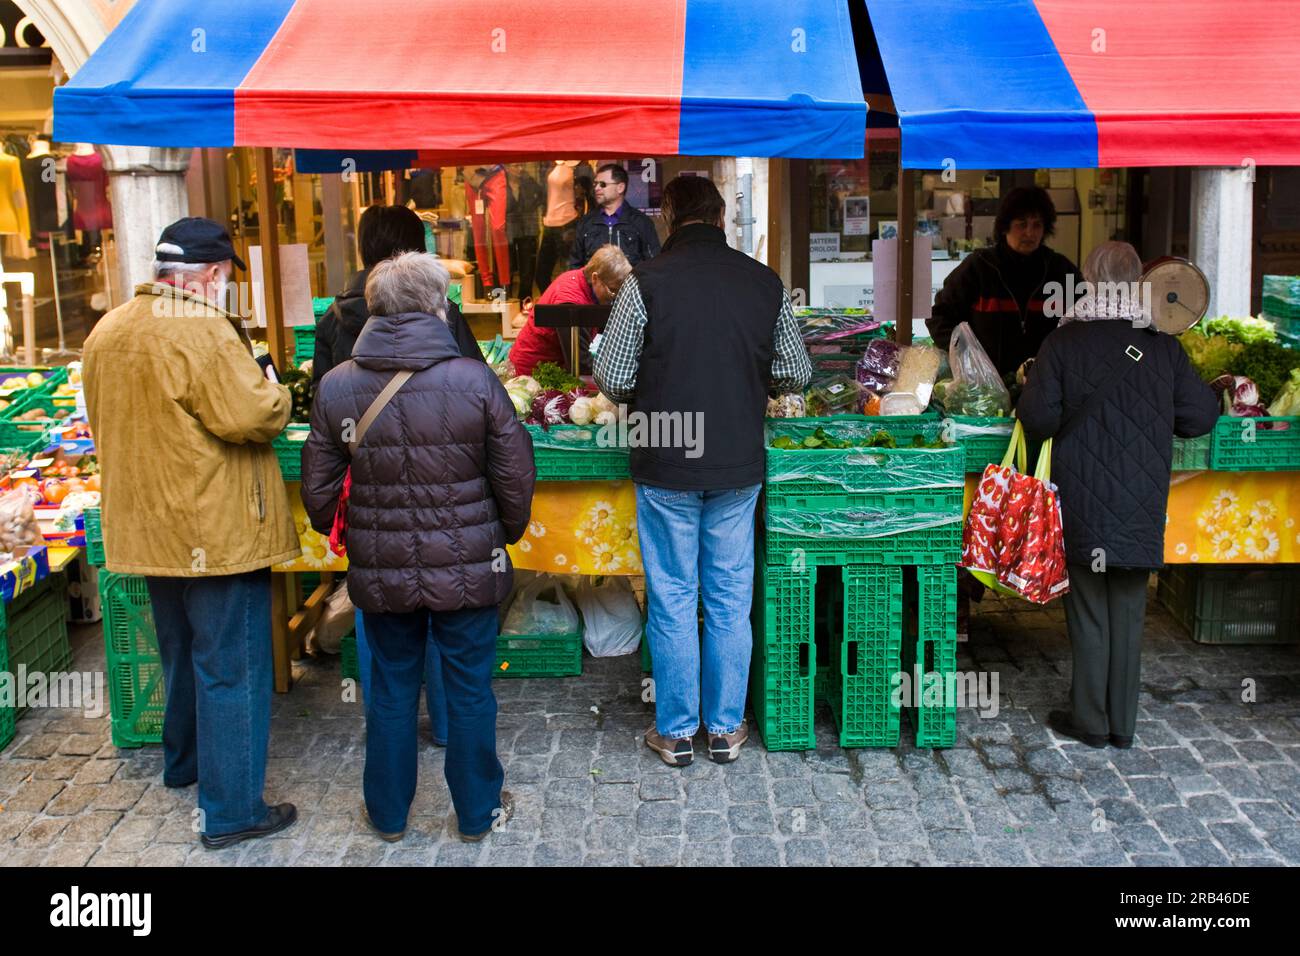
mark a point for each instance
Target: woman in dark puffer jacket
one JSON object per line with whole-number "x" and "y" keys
{"x": 441, "y": 482}
{"x": 1113, "y": 393}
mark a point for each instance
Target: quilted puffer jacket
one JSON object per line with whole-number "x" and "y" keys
{"x": 442, "y": 481}
{"x": 1112, "y": 468}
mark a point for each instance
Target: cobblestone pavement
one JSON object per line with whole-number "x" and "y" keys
{"x": 1210, "y": 780}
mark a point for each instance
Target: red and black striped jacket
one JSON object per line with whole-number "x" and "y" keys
{"x": 979, "y": 293}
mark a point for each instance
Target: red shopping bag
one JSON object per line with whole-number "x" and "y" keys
{"x": 339, "y": 530}
{"x": 979, "y": 542}
{"x": 1016, "y": 545}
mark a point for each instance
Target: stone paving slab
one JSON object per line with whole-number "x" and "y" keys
{"x": 1212, "y": 779}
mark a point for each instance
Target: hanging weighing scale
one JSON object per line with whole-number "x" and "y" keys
{"x": 1180, "y": 294}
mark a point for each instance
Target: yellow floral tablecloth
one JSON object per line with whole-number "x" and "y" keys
{"x": 581, "y": 527}
{"x": 316, "y": 553}
{"x": 1220, "y": 517}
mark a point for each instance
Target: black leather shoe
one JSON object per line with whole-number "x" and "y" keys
{"x": 179, "y": 785}
{"x": 280, "y": 816}
{"x": 1062, "y": 724}
{"x": 1123, "y": 743}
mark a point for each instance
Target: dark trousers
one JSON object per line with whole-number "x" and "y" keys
{"x": 554, "y": 249}
{"x": 467, "y": 642}
{"x": 1104, "y": 615}
{"x": 523, "y": 252}
{"x": 214, "y": 638}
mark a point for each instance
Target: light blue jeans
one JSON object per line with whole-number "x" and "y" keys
{"x": 692, "y": 540}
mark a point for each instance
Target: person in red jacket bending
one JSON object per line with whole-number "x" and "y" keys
{"x": 596, "y": 283}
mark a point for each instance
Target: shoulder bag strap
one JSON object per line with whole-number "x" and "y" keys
{"x": 378, "y": 405}
{"x": 1132, "y": 355}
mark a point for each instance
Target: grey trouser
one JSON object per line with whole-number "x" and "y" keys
{"x": 1104, "y": 615}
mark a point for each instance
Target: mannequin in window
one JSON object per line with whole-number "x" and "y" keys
{"x": 91, "y": 210}
{"x": 524, "y": 206}
{"x": 485, "y": 195}
{"x": 568, "y": 198}
{"x": 42, "y": 191}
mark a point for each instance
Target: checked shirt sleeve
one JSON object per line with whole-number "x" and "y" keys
{"x": 616, "y": 362}
{"x": 791, "y": 367}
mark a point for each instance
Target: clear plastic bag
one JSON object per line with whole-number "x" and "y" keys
{"x": 611, "y": 618}
{"x": 18, "y": 524}
{"x": 918, "y": 369}
{"x": 542, "y": 607}
{"x": 977, "y": 389}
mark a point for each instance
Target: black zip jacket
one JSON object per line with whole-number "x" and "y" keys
{"x": 1008, "y": 321}
{"x": 634, "y": 233}
{"x": 337, "y": 330}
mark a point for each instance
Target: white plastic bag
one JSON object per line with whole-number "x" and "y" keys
{"x": 541, "y": 607}
{"x": 611, "y": 618}
{"x": 977, "y": 389}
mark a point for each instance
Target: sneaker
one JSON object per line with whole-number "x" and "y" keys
{"x": 675, "y": 753}
{"x": 724, "y": 748}
{"x": 277, "y": 818}
{"x": 1062, "y": 724}
{"x": 386, "y": 837}
{"x": 498, "y": 819}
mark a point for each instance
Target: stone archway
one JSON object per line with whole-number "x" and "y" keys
{"x": 147, "y": 184}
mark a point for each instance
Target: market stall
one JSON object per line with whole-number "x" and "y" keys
{"x": 862, "y": 517}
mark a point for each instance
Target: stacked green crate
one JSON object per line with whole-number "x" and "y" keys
{"x": 864, "y": 657}
{"x": 574, "y": 453}
{"x": 288, "y": 447}
{"x": 984, "y": 440}
{"x": 784, "y": 667}
{"x": 8, "y": 717}
{"x": 930, "y": 661}
{"x": 137, "y": 697}
{"x": 539, "y": 655}
{"x": 1269, "y": 443}
{"x": 862, "y": 505}
{"x": 1192, "y": 454}
{"x": 1234, "y": 605}
{"x": 34, "y": 626}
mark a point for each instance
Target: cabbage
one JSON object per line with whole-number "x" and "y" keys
{"x": 519, "y": 398}
{"x": 581, "y": 411}
{"x": 526, "y": 382}
{"x": 551, "y": 407}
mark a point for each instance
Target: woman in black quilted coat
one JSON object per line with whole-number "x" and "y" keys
{"x": 441, "y": 482}
{"x": 1113, "y": 394}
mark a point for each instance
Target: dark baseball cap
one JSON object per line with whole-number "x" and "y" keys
{"x": 195, "y": 239}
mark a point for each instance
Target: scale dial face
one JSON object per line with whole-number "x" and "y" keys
{"x": 1180, "y": 294}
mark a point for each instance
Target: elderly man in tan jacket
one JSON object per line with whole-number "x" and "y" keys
{"x": 193, "y": 499}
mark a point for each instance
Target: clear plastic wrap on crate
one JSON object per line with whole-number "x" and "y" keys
{"x": 884, "y": 470}
{"x": 565, "y": 437}
{"x": 858, "y": 522}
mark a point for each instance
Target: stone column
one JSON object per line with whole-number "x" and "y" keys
{"x": 1222, "y": 235}
{"x": 148, "y": 190}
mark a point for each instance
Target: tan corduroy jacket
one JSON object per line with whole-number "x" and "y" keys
{"x": 183, "y": 418}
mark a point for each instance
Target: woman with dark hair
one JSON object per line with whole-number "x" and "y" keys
{"x": 382, "y": 232}
{"x": 1001, "y": 291}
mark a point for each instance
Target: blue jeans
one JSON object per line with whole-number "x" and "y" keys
{"x": 692, "y": 540}
{"x": 435, "y": 698}
{"x": 466, "y": 641}
{"x": 214, "y": 638}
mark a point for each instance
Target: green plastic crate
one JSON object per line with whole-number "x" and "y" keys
{"x": 1236, "y": 447}
{"x": 348, "y": 654}
{"x": 304, "y": 343}
{"x": 570, "y": 453}
{"x": 137, "y": 697}
{"x": 1192, "y": 454}
{"x": 33, "y": 445}
{"x": 320, "y": 305}
{"x": 1234, "y": 604}
{"x": 539, "y": 655}
{"x": 861, "y": 470}
{"x": 933, "y": 655}
{"x": 984, "y": 440}
{"x": 94, "y": 538}
{"x": 54, "y": 377}
{"x": 288, "y": 447}
{"x": 864, "y": 657}
{"x": 8, "y": 718}
{"x": 783, "y": 671}
{"x": 35, "y": 628}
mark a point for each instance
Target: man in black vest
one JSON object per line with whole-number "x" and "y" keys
{"x": 699, "y": 336}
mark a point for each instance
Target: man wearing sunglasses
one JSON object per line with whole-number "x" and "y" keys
{"x": 614, "y": 223}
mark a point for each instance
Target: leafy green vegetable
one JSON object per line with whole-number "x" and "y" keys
{"x": 550, "y": 375}
{"x": 1268, "y": 365}
{"x": 1212, "y": 355}
{"x": 1245, "y": 330}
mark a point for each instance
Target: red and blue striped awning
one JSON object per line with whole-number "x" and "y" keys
{"x": 476, "y": 79}
{"x": 988, "y": 84}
